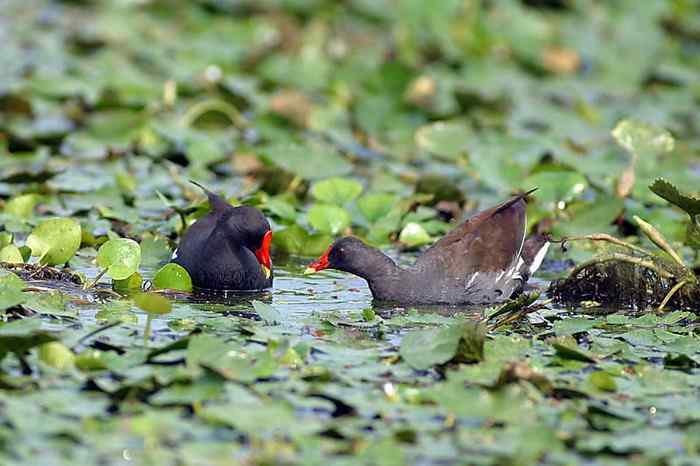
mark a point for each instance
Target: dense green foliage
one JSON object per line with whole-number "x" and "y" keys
{"x": 385, "y": 118}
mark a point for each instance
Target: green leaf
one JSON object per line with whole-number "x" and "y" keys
{"x": 337, "y": 191}
{"x": 603, "y": 381}
{"x": 21, "y": 335}
{"x": 567, "y": 348}
{"x": 414, "y": 235}
{"x": 638, "y": 137}
{"x": 556, "y": 186}
{"x": 329, "y": 218}
{"x": 55, "y": 241}
{"x": 204, "y": 151}
{"x": 463, "y": 342}
{"x": 268, "y": 313}
{"x": 11, "y": 254}
{"x": 573, "y": 325}
{"x": 310, "y": 161}
{"x": 22, "y": 206}
{"x": 296, "y": 240}
{"x": 374, "y": 207}
{"x": 121, "y": 257}
{"x": 154, "y": 250}
{"x": 132, "y": 282}
{"x": 56, "y": 355}
{"x": 11, "y": 293}
{"x": 690, "y": 204}
{"x": 173, "y": 276}
{"x": 448, "y": 140}
{"x": 153, "y": 303}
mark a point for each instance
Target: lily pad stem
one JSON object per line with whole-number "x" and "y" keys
{"x": 214, "y": 105}
{"x": 670, "y": 294}
{"x": 623, "y": 258}
{"x": 95, "y": 332}
{"x": 658, "y": 239}
{"x": 97, "y": 279}
{"x": 610, "y": 239}
{"x": 147, "y": 330}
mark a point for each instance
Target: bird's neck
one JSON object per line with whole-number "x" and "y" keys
{"x": 381, "y": 273}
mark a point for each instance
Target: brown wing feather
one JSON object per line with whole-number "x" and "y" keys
{"x": 488, "y": 241}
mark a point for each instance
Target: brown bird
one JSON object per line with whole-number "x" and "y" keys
{"x": 482, "y": 261}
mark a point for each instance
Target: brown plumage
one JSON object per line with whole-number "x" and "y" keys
{"x": 478, "y": 262}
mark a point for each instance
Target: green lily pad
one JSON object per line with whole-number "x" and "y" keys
{"x": 56, "y": 355}
{"x": 21, "y": 335}
{"x": 463, "y": 342}
{"x": 268, "y": 313}
{"x": 121, "y": 257}
{"x": 11, "y": 291}
{"x": 328, "y": 218}
{"x": 132, "y": 282}
{"x": 414, "y": 235}
{"x": 55, "y": 241}
{"x": 22, "y": 206}
{"x": 556, "y": 186}
{"x": 336, "y": 191}
{"x": 311, "y": 161}
{"x": 638, "y": 137}
{"x": 153, "y": 303}
{"x": 603, "y": 381}
{"x": 374, "y": 207}
{"x": 448, "y": 140}
{"x": 173, "y": 276}
{"x": 11, "y": 254}
{"x": 296, "y": 240}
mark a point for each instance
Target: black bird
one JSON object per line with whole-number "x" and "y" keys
{"x": 484, "y": 260}
{"x": 228, "y": 249}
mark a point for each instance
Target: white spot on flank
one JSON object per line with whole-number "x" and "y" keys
{"x": 174, "y": 256}
{"x": 471, "y": 280}
{"x": 539, "y": 257}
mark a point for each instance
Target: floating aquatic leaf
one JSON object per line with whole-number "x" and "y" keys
{"x": 311, "y": 161}
{"x": 414, "y": 235}
{"x": 638, "y": 137}
{"x": 11, "y": 291}
{"x": 21, "y": 335}
{"x": 23, "y": 205}
{"x": 374, "y": 207}
{"x": 268, "y": 313}
{"x": 153, "y": 303}
{"x": 296, "y": 240}
{"x": 55, "y": 241}
{"x": 329, "y": 219}
{"x": 56, "y": 355}
{"x": 336, "y": 191}
{"x": 444, "y": 139}
{"x": 120, "y": 257}
{"x": 132, "y": 282}
{"x": 11, "y": 254}
{"x": 463, "y": 342}
{"x": 603, "y": 381}
{"x": 173, "y": 276}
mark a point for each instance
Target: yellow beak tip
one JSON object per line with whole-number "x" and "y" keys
{"x": 309, "y": 271}
{"x": 267, "y": 271}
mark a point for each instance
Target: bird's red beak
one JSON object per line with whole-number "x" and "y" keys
{"x": 263, "y": 254}
{"x": 320, "y": 264}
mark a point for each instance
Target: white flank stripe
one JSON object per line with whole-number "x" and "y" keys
{"x": 539, "y": 257}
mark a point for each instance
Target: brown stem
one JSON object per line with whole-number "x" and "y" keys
{"x": 670, "y": 294}
{"x": 610, "y": 239}
{"x": 622, "y": 258}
